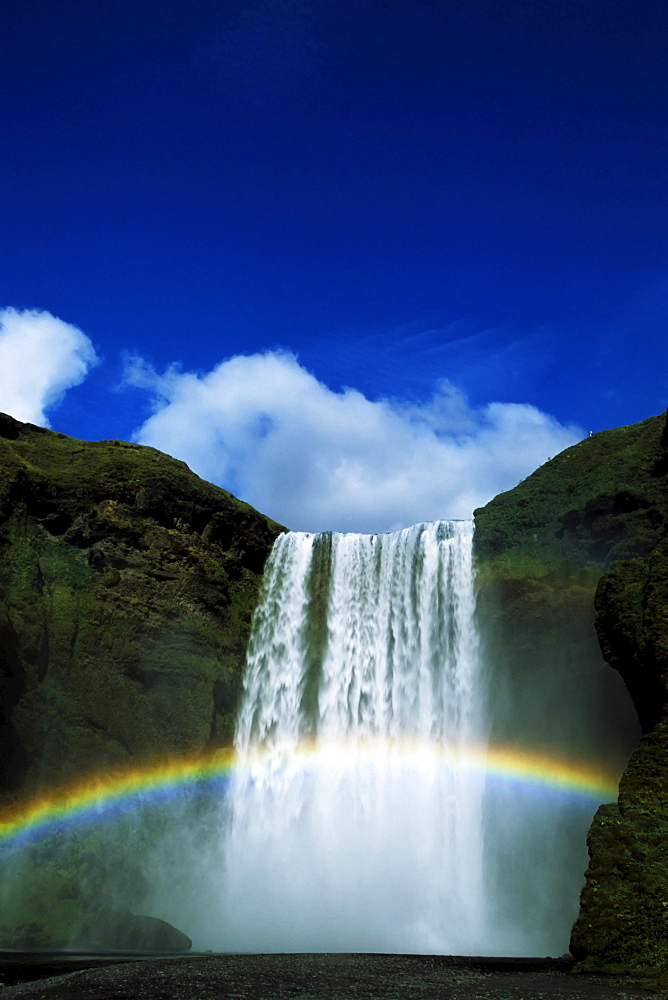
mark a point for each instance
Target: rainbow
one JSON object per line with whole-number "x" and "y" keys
{"x": 96, "y": 797}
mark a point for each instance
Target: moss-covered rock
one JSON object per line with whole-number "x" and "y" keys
{"x": 623, "y": 918}
{"x": 127, "y": 586}
{"x": 632, "y": 626}
{"x": 542, "y": 549}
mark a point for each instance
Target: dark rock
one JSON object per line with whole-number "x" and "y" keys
{"x": 109, "y": 929}
{"x": 624, "y": 905}
{"x": 9, "y": 427}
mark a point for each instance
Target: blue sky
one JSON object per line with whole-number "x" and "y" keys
{"x": 428, "y": 237}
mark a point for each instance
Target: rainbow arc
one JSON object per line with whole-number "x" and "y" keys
{"x": 96, "y": 797}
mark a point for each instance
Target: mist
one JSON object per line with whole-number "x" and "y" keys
{"x": 365, "y": 838}
{"x": 354, "y": 819}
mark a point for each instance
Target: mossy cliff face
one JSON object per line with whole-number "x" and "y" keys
{"x": 577, "y": 555}
{"x": 623, "y": 918}
{"x": 126, "y": 591}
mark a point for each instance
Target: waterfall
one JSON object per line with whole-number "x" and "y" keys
{"x": 352, "y": 828}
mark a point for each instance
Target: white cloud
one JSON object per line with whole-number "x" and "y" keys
{"x": 40, "y": 358}
{"x": 266, "y": 429}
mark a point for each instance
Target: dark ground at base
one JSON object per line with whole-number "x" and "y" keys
{"x": 35, "y": 976}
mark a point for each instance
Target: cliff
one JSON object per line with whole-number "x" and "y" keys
{"x": 583, "y": 542}
{"x": 623, "y": 920}
{"x": 126, "y": 591}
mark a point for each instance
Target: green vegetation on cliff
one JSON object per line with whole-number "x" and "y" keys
{"x": 601, "y": 500}
{"x": 127, "y": 586}
{"x": 578, "y": 551}
{"x": 623, "y": 920}
{"x": 541, "y": 549}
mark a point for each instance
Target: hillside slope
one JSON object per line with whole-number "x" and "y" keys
{"x": 126, "y": 590}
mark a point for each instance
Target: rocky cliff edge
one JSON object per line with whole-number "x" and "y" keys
{"x": 126, "y": 591}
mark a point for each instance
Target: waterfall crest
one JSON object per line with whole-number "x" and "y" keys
{"x": 347, "y": 830}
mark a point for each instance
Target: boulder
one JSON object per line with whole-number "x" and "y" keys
{"x": 120, "y": 930}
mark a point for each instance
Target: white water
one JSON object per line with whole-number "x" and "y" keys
{"x": 347, "y": 832}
